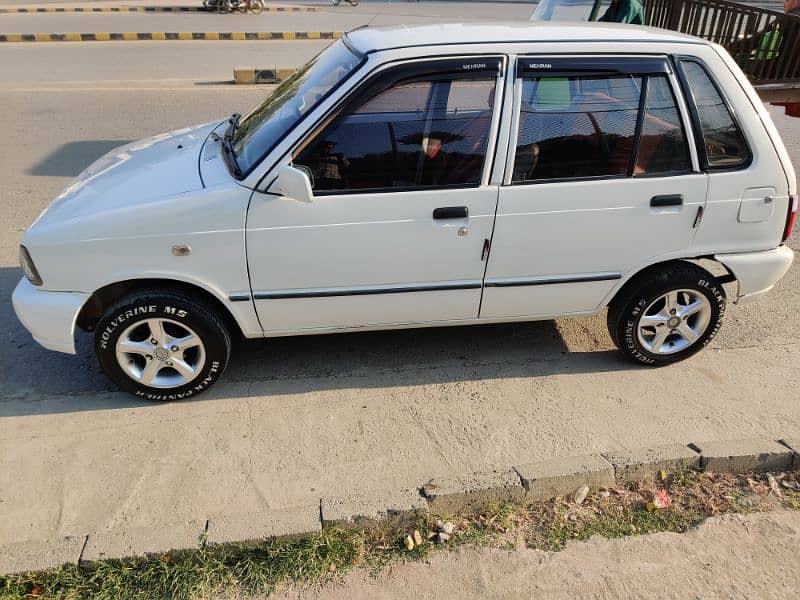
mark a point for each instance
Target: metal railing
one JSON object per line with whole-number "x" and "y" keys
{"x": 765, "y": 43}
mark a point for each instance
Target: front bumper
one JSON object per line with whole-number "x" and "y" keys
{"x": 757, "y": 272}
{"x": 49, "y": 316}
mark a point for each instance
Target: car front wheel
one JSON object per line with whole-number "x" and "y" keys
{"x": 667, "y": 315}
{"x": 162, "y": 345}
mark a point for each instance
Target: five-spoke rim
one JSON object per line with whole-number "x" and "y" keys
{"x": 160, "y": 353}
{"x": 674, "y": 321}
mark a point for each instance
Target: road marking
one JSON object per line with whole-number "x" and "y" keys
{"x": 132, "y": 9}
{"x": 170, "y": 35}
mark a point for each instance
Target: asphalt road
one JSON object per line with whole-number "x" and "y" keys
{"x": 297, "y": 419}
{"x": 328, "y": 18}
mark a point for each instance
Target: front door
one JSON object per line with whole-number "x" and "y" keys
{"x": 401, "y": 206}
{"x": 600, "y": 180}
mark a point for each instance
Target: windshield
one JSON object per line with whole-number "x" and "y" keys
{"x": 259, "y": 131}
{"x": 568, "y": 10}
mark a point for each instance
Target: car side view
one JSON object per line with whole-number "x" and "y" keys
{"x": 427, "y": 176}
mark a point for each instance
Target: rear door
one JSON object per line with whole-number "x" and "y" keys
{"x": 600, "y": 179}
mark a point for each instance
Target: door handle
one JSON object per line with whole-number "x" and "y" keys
{"x": 667, "y": 200}
{"x": 451, "y": 212}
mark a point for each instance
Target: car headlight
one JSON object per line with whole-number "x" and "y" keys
{"x": 26, "y": 262}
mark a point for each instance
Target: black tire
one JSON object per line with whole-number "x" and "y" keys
{"x": 628, "y": 307}
{"x": 180, "y": 311}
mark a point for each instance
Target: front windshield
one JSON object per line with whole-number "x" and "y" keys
{"x": 568, "y": 10}
{"x": 265, "y": 125}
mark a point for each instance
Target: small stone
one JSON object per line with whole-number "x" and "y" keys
{"x": 447, "y": 528}
{"x": 604, "y": 493}
{"x": 580, "y": 494}
{"x": 417, "y": 537}
{"x": 408, "y": 542}
{"x": 745, "y": 502}
{"x": 773, "y": 485}
{"x": 442, "y": 537}
{"x": 791, "y": 485}
{"x": 439, "y": 524}
{"x": 331, "y": 567}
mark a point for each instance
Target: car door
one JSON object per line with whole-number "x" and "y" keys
{"x": 600, "y": 179}
{"x": 401, "y": 208}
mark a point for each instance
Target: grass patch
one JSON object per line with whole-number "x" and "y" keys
{"x": 260, "y": 568}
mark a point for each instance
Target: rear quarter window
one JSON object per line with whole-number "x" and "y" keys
{"x": 724, "y": 145}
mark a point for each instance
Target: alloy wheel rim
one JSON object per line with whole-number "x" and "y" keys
{"x": 160, "y": 353}
{"x": 674, "y": 321}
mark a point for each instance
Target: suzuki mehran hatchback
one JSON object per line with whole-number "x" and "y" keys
{"x": 426, "y": 176}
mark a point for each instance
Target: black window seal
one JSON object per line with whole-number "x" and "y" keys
{"x": 699, "y": 139}
{"x": 424, "y": 70}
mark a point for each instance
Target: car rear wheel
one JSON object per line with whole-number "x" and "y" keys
{"x": 162, "y": 345}
{"x": 667, "y": 315}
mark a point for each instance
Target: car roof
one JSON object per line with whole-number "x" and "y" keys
{"x": 372, "y": 39}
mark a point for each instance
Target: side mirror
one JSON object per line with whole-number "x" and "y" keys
{"x": 293, "y": 183}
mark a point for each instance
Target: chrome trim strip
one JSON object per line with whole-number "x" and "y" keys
{"x": 335, "y": 292}
{"x": 552, "y": 280}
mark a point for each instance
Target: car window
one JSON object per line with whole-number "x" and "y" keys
{"x": 582, "y": 126}
{"x": 662, "y": 144}
{"x": 425, "y": 132}
{"x": 263, "y": 127}
{"x": 725, "y": 146}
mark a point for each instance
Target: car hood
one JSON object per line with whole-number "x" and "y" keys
{"x": 157, "y": 167}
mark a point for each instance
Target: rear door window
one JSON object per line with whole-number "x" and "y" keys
{"x": 605, "y": 124}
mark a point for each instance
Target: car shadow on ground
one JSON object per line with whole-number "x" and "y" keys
{"x": 68, "y": 160}
{"x": 37, "y": 381}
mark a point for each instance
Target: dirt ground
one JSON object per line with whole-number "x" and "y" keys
{"x": 733, "y": 556}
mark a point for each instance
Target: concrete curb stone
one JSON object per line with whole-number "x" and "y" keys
{"x": 794, "y": 445}
{"x": 223, "y": 529}
{"x": 560, "y": 477}
{"x": 647, "y": 463}
{"x": 138, "y": 541}
{"x": 37, "y": 555}
{"x": 382, "y": 506}
{"x": 450, "y": 495}
{"x": 737, "y": 456}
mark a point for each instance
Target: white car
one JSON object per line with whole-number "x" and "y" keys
{"x": 426, "y": 176}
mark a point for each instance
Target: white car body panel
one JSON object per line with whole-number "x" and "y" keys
{"x": 49, "y": 316}
{"x": 119, "y": 220}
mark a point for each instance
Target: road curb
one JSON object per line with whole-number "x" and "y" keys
{"x": 252, "y": 76}
{"x": 170, "y": 35}
{"x": 138, "y": 9}
{"x": 445, "y": 495}
{"x": 737, "y": 456}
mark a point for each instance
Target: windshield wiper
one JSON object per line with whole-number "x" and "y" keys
{"x": 227, "y": 143}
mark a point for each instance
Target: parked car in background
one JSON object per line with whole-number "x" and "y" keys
{"x": 426, "y": 176}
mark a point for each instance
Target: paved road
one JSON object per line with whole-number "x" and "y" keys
{"x": 296, "y": 419}
{"x": 196, "y": 63}
{"x": 329, "y": 18}
{"x": 735, "y": 556}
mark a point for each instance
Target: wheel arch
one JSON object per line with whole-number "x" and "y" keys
{"x": 707, "y": 262}
{"x": 104, "y": 297}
